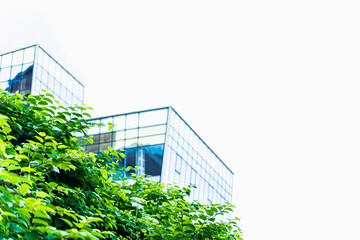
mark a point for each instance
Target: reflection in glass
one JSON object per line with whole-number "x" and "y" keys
{"x": 130, "y": 143}
{"x": 130, "y": 159}
{"x": 21, "y": 81}
{"x": 153, "y": 159}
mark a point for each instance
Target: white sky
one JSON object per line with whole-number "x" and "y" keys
{"x": 271, "y": 86}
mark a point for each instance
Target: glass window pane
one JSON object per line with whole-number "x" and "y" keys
{"x": 181, "y": 128}
{"x": 51, "y": 82}
{"x": 45, "y": 61}
{"x": 29, "y": 55}
{"x": 132, "y": 120}
{"x": 57, "y": 87}
{"x": 96, "y": 138}
{"x": 119, "y": 122}
{"x": 106, "y": 137}
{"x": 4, "y": 74}
{"x": 94, "y": 129}
{"x": 130, "y": 158}
{"x": 6, "y": 60}
{"x": 132, "y": 133}
{"x": 153, "y": 159}
{"x": 119, "y": 145}
{"x": 4, "y": 85}
{"x": 153, "y": 140}
{"x": 104, "y": 146}
{"x": 119, "y": 135}
{"x": 131, "y": 143}
{"x": 177, "y": 178}
{"x": 58, "y": 72}
{"x": 52, "y": 67}
{"x": 15, "y": 70}
{"x": 17, "y": 57}
{"x": 93, "y": 148}
{"x": 105, "y": 121}
{"x": 155, "y": 130}
{"x": 63, "y": 75}
{"x": 153, "y": 117}
{"x": 178, "y": 163}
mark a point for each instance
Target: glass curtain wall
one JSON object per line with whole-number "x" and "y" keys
{"x": 16, "y": 70}
{"x": 189, "y": 161}
{"x": 31, "y": 69}
{"x": 140, "y": 134}
{"x": 55, "y": 79}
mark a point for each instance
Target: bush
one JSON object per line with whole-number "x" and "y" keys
{"x": 51, "y": 189}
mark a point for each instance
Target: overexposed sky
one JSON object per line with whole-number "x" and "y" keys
{"x": 271, "y": 86}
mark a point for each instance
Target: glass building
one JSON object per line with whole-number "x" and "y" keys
{"x": 31, "y": 69}
{"x": 158, "y": 141}
{"x": 164, "y": 146}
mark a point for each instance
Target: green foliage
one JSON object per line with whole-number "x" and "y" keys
{"x": 51, "y": 189}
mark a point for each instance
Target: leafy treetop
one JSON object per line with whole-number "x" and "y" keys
{"x": 51, "y": 189}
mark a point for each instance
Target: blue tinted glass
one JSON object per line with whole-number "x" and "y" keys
{"x": 130, "y": 159}
{"x": 153, "y": 159}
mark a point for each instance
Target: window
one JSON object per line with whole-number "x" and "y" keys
{"x": 154, "y": 117}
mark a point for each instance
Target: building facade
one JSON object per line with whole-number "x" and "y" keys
{"x": 31, "y": 69}
{"x": 158, "y": 141}
{"x": 165, "y": 147}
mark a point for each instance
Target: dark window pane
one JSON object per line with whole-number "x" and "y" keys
{"x": 105, "y": 137}
{"x": 130, "y": 159}
{"x": 153, "y": 159}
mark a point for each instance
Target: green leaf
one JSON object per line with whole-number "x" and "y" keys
{"x": 93, "y": 219}
{"x": 8, "y": 214}
{"x": 42, "y": 194}
{"x": 2, "y": 146}
{"x": 27, "y": 169}
{"x": 39, "y": 221}
{"x": 31, "y": 236}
